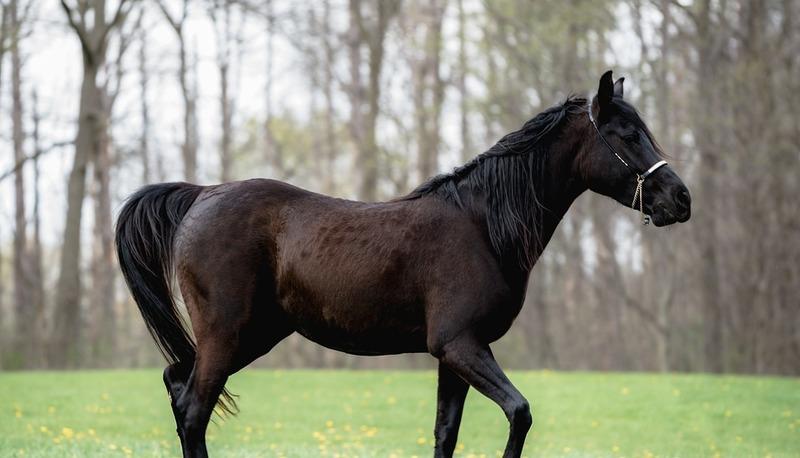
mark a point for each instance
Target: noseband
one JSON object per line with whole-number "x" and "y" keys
{"x": 638, "y": 195}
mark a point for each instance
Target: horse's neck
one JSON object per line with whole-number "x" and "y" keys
{"x": 560, "y": 187}
{"x": 556, "y": 193}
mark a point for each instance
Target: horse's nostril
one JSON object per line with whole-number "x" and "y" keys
{"x": 683, "y": 199}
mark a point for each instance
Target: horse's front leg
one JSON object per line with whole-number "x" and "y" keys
{"x": 450, "y": 398}
{"x": 474, "y": 362}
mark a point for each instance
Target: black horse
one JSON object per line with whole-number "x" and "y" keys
{"x": 442, "y": 270}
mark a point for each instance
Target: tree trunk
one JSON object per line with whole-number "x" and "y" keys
{"x": 101, "y": 298}
{"x": 428, "y": 87}
{"x": 365, "y": 97}
{"x": 23, "y": 306}
{"x": 144, "y": 140}
{"x": 329, "y": 182}
{"x": 461, "y": 83}
{"x": 68, "y": 290}
{"x": 189, "y": 147}
{"x": 3, "y": 35}
{"x": 272, "y": 153}
{"x": 36, "y": 272}
{"x": 706, "y": 222}
{"x": 189, "y": 95}
{"x": 224, "y": 63}
{"x": 90, "y": 142}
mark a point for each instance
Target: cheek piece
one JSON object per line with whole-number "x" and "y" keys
{"x": 638, "y": 195}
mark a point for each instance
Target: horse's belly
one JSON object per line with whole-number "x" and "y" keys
{"x": 389, "y": 342}
{"x": 358, "y": 321}
{"x": 353, "y": 330}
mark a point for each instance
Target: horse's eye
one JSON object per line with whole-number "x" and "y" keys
{"x": 631, "y": 138}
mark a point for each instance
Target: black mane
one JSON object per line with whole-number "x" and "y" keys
{"x": 509, "y": 175}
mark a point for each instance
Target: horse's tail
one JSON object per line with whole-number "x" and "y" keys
{"x": 145, "y": 233}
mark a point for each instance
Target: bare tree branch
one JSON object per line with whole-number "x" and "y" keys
{"x": 37, "y": 154}
{"x": 80, "y": 30}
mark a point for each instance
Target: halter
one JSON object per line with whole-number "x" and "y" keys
{"x": 639, "y": 193}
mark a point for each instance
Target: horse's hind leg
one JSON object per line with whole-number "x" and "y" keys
{"x": 231, "y": 332}
{"x": 194, "y": 406}
{"x": 175, "y": 378}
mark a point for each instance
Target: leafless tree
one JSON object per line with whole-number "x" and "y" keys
{"x": 190, "y": 139}
{"x": 369, "y": 24}
{"x": 94, "y": 29}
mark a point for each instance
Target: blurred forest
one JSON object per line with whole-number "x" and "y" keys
{"x": 365, "y": 99}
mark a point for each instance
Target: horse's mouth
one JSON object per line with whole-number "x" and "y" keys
{"x": 661, "y": 216}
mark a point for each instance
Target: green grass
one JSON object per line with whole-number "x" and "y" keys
{"x": 316, "y": 413}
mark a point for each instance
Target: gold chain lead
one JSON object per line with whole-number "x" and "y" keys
{"x": 639, "y": 195}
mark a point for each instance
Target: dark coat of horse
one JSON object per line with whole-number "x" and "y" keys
{"x": 442, "y": 270}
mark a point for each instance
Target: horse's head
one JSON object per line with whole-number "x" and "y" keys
{"x": 622, "y": 159}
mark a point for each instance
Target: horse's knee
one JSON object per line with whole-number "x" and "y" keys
{"x": 520, "y": 416}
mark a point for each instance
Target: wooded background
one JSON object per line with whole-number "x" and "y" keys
{"x": 365, "y": 99}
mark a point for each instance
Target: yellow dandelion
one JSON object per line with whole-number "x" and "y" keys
{"x": 615, "y": 449}
{"x": 391, "y": 400}
{"x": 329, "y": 424}
{"x": 67, "y": 432}
{"x": 278, "y": 425}
{"x": 567, "y": 449}
{"x": 91, "y": 432}
{"x": 127, "y": 451}
{"x": 595, "y": 424}
{"x": 51, "y": 410}
{"x": 728, "y": 413}
{"x": 56, "y": 440}
{"x": 44, "y": 429}
{"x": 676, "y": 392}
{"x": 112, "y": 446}
{"x": 625, "y": 391}
{"x": 248, "y": 429}
{"x": 787, "y": 413}
{"x": 421, "y": 441}
{"x": 104, "y": 396}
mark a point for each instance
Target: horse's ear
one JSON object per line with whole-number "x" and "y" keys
{"x": 605, "y": 91}
{"x": 618, "y": 89}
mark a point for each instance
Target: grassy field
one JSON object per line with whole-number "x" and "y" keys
{"x": 382, "y": 414}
